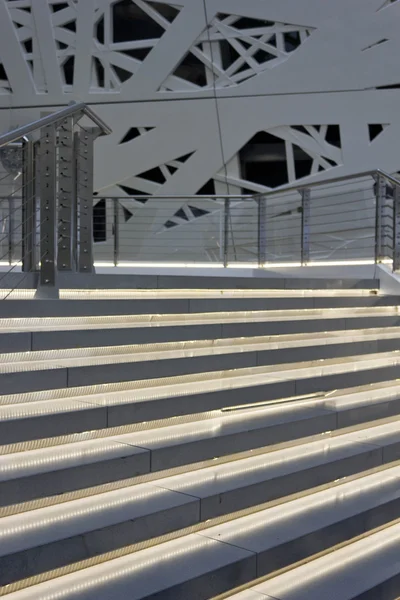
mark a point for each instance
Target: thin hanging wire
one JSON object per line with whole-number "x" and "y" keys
{"x": 218, "y": 114}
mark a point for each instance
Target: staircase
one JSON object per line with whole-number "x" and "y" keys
{"x": 180, "y": 444}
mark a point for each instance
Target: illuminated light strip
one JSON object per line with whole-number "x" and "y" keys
{"x": 338, "y": 263}
{"x": 275, "y": 265}
{"x": 172, "y": 265}
{"x": 179, "y": 265}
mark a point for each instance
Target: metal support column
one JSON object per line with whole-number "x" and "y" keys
{"x": 84, "y": 175}
{"x": 116, "y": 231}
{"x": 305, "y": 225}
{"x": 29, "y": 208}
{"x": 66, "y": 195}
{"x": 396, "y": 229}
{"x": 380, "y": 194}
{"x": 48, "y": 211}
{"x": 262, "y": 231}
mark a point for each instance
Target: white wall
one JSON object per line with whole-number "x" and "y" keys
{"x": 346, "y": 50}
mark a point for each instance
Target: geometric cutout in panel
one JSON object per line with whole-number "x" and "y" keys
{"x": 185, "y": 214}
{"x": 22, "y": 20}
{"x": 387, "y": 3}
{"x": 127, "y": 214}
{"x": 184, "y": 158}
{"x": 375, "y": 44}
{"x": 198, "y": 212}
{"x": 136, "y": 26}
{"x": 286, "y": 154}
{"x": 155, "y": 175}
{"x": 68, "y": 70}
{"x": 131, "y": 23}
{"x": 159, "y": 175}
{"x": 100, "y": 221}
{"x": 59, "y": 6}
{"x": 5, "y": 87}
{"x": 241, "y": 48}
{"x": 133, "y": 133}
{"x": 207, "y": 189}
{"x": 70, "y": 26}
{"x": 149, "y": 182}
{"x": 123, "y": 33}
{"x": 302, "y": 162}
{"x": 264, "y": 161}
{"x": 181, "y": 214}
{"x": 375, "y": 130}
{"x": 133, "y": 193}
{"x": 333, "y": 136}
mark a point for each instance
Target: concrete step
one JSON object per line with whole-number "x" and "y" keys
{"x": 235, "y": 461}
{"x": 43, "y": 370}
{"x": 219, "y": 557}
{"x": 35, "y": 536}
{"x": 59, "y": 465}
{"x": 47, "y": 333}
{"x": 257, "y": 280}
{"x": 143, "y": 303}
{"x": 366, "y": 569}
{"x": 66, "y": 410}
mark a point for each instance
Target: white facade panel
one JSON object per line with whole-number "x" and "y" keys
{"x": 242, "y": 96}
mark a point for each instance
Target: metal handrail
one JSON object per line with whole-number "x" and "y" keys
{"x": 72, "y": 109}
{"x": 313, "y": 184}
{"x": 274, "y": 192}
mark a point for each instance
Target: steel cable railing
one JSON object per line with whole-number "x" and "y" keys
{"x": 52, "y": 222}
{"x": 336, "y": 222}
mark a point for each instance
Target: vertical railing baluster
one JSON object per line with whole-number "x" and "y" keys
{"x": 10, "y": 230}
{"x": 225, "y": 237}
{"x": 380, "y": 194}
{"x": 262, "y": 231}
{"x": 116, "y": 231}
{"x": 28, "y": 212}
{"x": 396, "y": 228}
{"x": 305, "y": 225}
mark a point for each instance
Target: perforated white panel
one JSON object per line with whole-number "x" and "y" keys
{"x": 187, "y": 85}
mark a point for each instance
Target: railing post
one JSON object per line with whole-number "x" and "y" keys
{"x": 10, "y": 229}
{"x": 305, "y": 225}
{"x": 262, "y": 231}
{"x": 28, "y": 212}
{"x": 66, "y": 197}
{"x": 225, "y": 233}
{"x": 84, "y": 176}
{"x": 396, "y": 229}
{"x": 380, "y": 194}
{"x": 116, "y": 231}
{"x": 48, "y": 212}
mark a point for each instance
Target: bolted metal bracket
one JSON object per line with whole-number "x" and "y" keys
{"x": 84, "y": 177}
{"x": 66, "y": 195}
{"x": 48, "y": 212}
